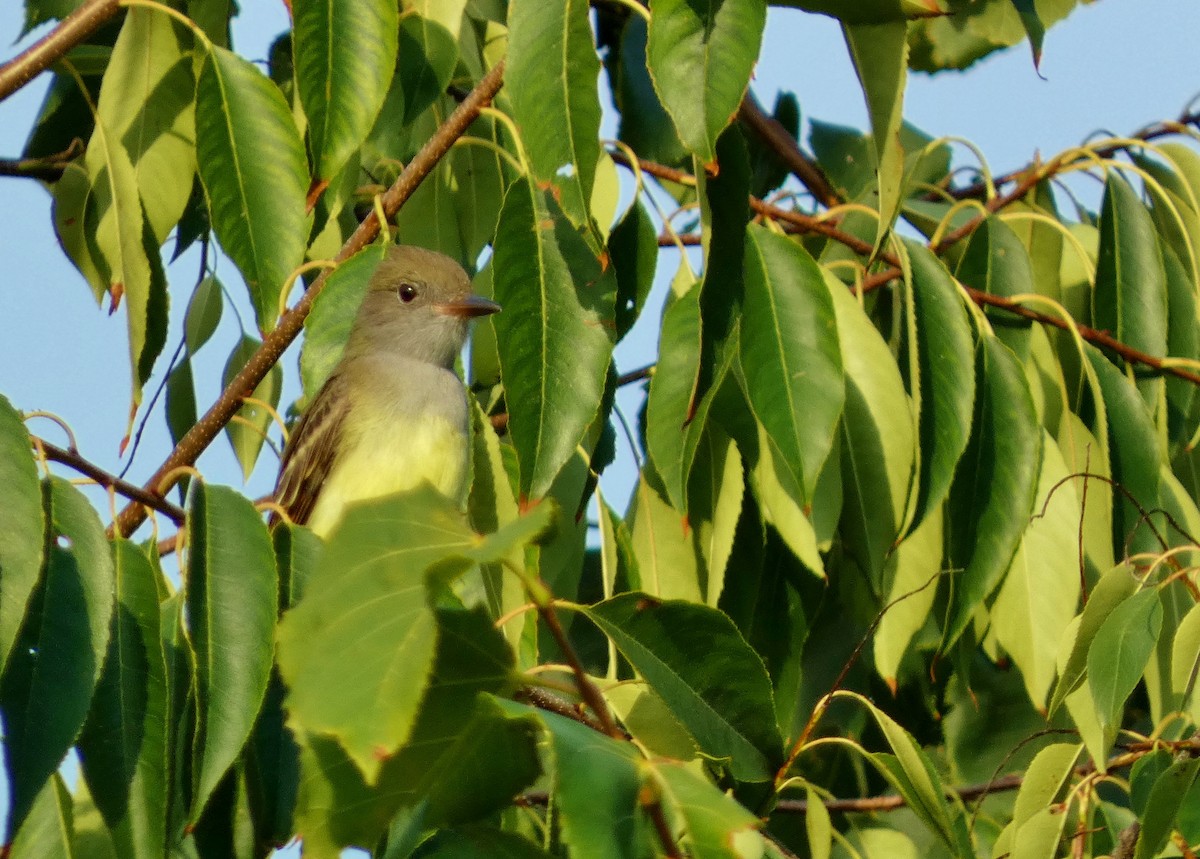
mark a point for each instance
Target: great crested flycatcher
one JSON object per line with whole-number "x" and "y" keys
{"x": 393, "y": 412}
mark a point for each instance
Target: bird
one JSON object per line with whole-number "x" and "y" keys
{"x": 393, "y": 413}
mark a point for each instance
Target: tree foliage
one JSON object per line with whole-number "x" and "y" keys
{"x": 909, "y": 567}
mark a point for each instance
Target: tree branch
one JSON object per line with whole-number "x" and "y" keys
{"x": 808, "y": 224}
{"x": 278, "y": 339}
{"x": 47, "y": 50}
{"x": 73, "y": 459}
{"x": 772, "y": 133}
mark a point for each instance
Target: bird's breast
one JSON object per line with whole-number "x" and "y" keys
{"x": 406, "y": 427}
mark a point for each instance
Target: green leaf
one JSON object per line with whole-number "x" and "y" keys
{"x": 1034, "y": 28}
{"x": 252, "y": 163}
{"x": 425, "y": 60}
{"x": 554, "y": 335}
{"x": 700, "y": 57}
{"x": 725, "y": 704}
{"x": 1185, "y": 662}
{"x": 871, "y": 11}
{"x": 671, "y": 402}
{"x": 123, "y": 744}
{"x": 633, "y": 249}
{"x": 668, "y": 566}
{"x": 996, "y": 262}
{"x": 21, "y": 537}
{"x": 818, "y": 827}
{"x": 345, "y": 54}
{"x": 1164, "y": 804}
{"x": 992, "y": 496}
{"x": 644, "y": 123}
{"x": 203, "y": 314}
{"x": 337, "y": 807}
{"x": 328, "y": 324}
{"x": 471, "y": 842}
{"x": 945, "y": 382}
{"x": 1130, "y": 297}
{"x": 246, "y": 436}
{"x": 596, "y": 786}
{"x": 146, "y": 104}
{"x": 1117, "y": 585}
{"x": 57, "y": 658}
{"x": 880, "y": 55}
{"x": 232, "y": 591}
{"x": 551, "y": 79}
{"x": 1136, "y": 455}
{"x": 878, "y": 440}
{"x": 1119, "y": 653}
{"x": 113, "y": 210}
{"x": 715, "y": 490}
{"x": 914, "y": 777}
{"x": 790, "y": 355}
{"x": 918, "y": 560}
{"x": 366, "y": 605}
{"x": 1041, "y": 589}
{"x": 1045, "y": 780}
{"x": 714, "y": 825}
{"x": 49, "y": 830}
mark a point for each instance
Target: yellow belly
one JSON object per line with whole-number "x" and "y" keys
{"x": 384, "y": 459}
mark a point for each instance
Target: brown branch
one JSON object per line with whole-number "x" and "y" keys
{"x": 587, "y": 689}
{"x": 48, "y": 169}
{"x": 772, "y": 133}
{"x": 47, "y": 50}
{"x": 654, "y": 811}
{"x": 808, "y": 224}
{"x": 278, "y": 339}
{"x": 635, "y": 375}
{"x": 543, "y": 700}
{"x": 73, "y": 459}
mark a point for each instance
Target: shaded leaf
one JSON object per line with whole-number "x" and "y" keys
{"x": 992, "y": 496}
{"x": 945, "y": 383}
{"x": 231, "y": 593}
{"x": 56, "y": 660}
{"x": 21, "y": 535}
{"x": 725, "y": 703}
{"x": 123, "y": 745}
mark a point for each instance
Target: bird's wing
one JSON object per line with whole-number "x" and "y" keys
{"x": 311, "y": 451}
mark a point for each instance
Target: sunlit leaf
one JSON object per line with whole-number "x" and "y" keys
{"x": 700, "y": 57}
{"x": 248, "y": 432}
{"x": 252, "y": 163}
{"x": 551, "y": 77}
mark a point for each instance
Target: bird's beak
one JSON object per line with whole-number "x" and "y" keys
{"x": 467, "y": 307}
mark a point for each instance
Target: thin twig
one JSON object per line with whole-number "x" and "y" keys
{"x": 47, "y": 50}
{"x": 290, "y": 323}
{"x": 73, "y": 459}
{"x": 1164, "y": 128}
{"x": 587, "y": 689}
{"x": 654, "y": 811}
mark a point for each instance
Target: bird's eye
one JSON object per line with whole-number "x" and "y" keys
{"x": 407, "y": 292}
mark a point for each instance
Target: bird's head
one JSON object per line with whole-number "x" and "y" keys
{"x": 418, "y": 304}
